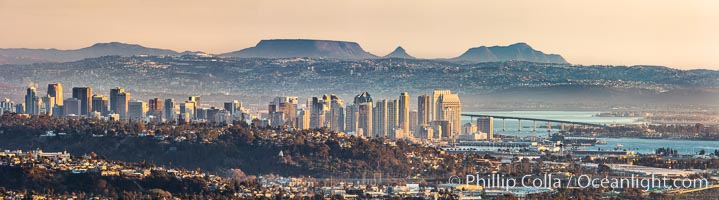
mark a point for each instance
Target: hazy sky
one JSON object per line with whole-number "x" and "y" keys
{"x": 680, "y": 34}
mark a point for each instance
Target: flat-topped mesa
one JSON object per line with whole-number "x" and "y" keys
{"x": 290, "y": 48}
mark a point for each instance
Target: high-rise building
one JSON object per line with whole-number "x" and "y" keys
{"x": 54, "y": 90}
{"x": 424, "y": 109}
{"x": 7, "y": 106}
{"x": 137, "y": 110}
{"x": 450, "y": 110}
{"x": 101, "y": 104}
{"x": 441, "y": 129}
{"x": 425, "y": 131}
{"x": 154, "y": 107}
{"x": 380, "y": 128}
{"x": 413, "y": 120}
{"x": 121, "y": 108}
{"x": 364, "y": 114}
{"x": 469, "y": 128}
{"x": 212, "y": 114}
{"x": 20, "y": 108}
{"x": 303, "y": 119}
{"x": 486, "y": 125}
{"x": 201, "y": 114}
{"x": 187, "y": 111}
{"x": 320, "y": 109}
{"x": 196, "y": 101}
{"x": 169, "y": 109}
{"x": 71, "y": 106}
{"x": 435, "y": 108}
{"x": 84, "y": 94}
{"x": 336, "y": 115}
{"x": 351, "y": 118}
{"x": 282, "y": 111}
{"x": 155, "y": 104}
{"x": 32, "y": 102}
{"x": 403, "y": 110}
{"x": 114, "y": 95}
{"x": 393, "y": 119}
{"x": 233, "y": 107}
{"x": 48, "y": 105}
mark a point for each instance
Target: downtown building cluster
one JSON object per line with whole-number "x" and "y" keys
{"x": 436, "y": 117}
{"x": 120, "y": 106}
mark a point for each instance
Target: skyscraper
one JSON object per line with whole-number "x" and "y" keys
{"x": 84, "y": 94}
{"x": 71, "y": 106}
{"x": 393, "y": 119}
{"x": 32, "y": 106}
{"x": 169, "y": 109}
{"x": 7, "y": 106}
{"x": 413, "y": 120}
{"x": 233, "y": 107}
{"x": 137, "y": 110}
{"x": 155, "y": 104}
{"x": 303, "y": 119}
{"x": 424, "y": 109}
{"x": 282, "y": 111}
{"x": 486, "y": 125}
{"x": 54, "y": 90}
{"x": 20, "y": 108}
{"x": 320, "y": 108}
{"x": 364, "y": 114}
{"x": 47, "y": 106}
{"x": 403, "y": 110}
{"x": 100, "y": 104}
{"x": 121, "y": 108}
{"x": 380, "y": 128}
{"x": 114, "y": 93}
{"x": 196, "y": 101}
{"x": 154, "y": 107}
{"x": 450, "y": 110}
{"x": 187, "y": 111}
{"x": 351, "y": 118}
{"x": 435, "y": 97}
{"x": 336, "y": 114}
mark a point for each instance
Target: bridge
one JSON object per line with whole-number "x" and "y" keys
{"x": 534, "y": 121}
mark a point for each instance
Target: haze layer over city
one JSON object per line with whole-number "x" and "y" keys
{"x": 359, "y": 100}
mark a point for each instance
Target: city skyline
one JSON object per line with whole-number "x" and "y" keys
{"x": 392, "y": 118}
{"x": 321, "y": 99}
{"x": 583, "y": 36}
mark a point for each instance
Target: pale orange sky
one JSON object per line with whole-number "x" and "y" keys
{"x": 680, "y": 34}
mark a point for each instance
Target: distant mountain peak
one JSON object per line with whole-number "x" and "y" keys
{"x": 399, "y": 52}
{"x": 515, "y": 52}
{"x": 520, "y": 44}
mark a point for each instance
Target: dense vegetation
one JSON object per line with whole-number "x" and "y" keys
{"x": 216, "y": 148}
{"x": 158, "y": 185}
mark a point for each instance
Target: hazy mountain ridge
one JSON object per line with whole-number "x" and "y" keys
{"x": 514, "y": 52}
{"x": 258, "y": 78}
{"x": 27, "y": 56}
{"x": 277, "y": 48}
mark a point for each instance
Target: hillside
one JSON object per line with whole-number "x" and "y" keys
{"x": 27, "y": 56}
